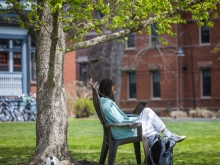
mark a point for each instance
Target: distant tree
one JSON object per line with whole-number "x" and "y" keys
{"x": 54, "y": 22}
{"x": 216, "y": 49}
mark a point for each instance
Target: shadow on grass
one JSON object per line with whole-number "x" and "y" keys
{"x": 183, "y": 158}
{"x": 18, "y": 155}
{"x": 15, "y": 155}
{"x": 197, "y": 158}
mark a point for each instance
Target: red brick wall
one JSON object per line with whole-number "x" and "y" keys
{"x": 69, "y": 70}
{"x": 33, "y": 88}
{"x": 70, "y": 67}
{"x": 167, "y": 61}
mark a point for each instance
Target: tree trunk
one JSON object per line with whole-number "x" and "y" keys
{"x": 52, "y": 118}
{"x": 116, "y": 56}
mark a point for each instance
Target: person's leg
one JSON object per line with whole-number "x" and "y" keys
{"x": 151, "y": 117}
{"x": 152, "y": 124}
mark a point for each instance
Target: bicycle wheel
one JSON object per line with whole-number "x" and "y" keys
{"x": 2, "y": 116}
{"x": 21, "y": 109}
{"x": 25, "y": 115}
{"x": 8, "y": 115}
{"x": 33, "y": 113}
{"x": 19, "y": 115}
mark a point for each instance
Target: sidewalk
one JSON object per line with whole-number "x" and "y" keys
{"x": 189, "y": 119}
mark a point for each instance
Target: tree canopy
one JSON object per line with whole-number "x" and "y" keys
{"x": 54, "y": 22}
{"x": 78, "y": 17}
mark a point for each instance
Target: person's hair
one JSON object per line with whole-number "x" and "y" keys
{"x": 105, "y": 89}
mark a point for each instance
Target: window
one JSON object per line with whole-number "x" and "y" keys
{"x": 154, "y": 37}
{"x": 10, "y": 55}
{"x": 4, "y": 61}
{"x": 83, "y": 72}
{"x": 206, "y": 82}
{"x": 4, "y": 44}
{"x": 99, "y": 14}
{"x": 132, "y": 85}
{"x": 17, "y": 44}
{"x": 204, "y": 34}
{"x": 130, "y": 44}
{"x": 17, "y": 61}
{"x": 155, "y": 77}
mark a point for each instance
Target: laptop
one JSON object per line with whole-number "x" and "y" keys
{"x": 139, "y": 108}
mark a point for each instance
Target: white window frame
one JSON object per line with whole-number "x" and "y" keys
{"x": 126, "y": 43}
{"x": 152, "y": 89}
{"x": 201, "y": 83}
{"x": 200, "y": 37}
{"x": 128, "y": 89}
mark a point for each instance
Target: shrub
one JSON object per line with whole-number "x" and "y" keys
{"x": 77, "y": 90}
{"x": 201, "y": 113}
{"x": 178, "y": 114}
{"x": 70, "y": 107}
{"x": 83, "y": 107}
{"x": 217, "y": 113}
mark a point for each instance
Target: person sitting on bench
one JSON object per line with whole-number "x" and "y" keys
{"x": 151, "y": 123}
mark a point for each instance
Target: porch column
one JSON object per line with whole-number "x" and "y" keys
{"x": 24, "y": 66}
{"x": 10, "y": 57}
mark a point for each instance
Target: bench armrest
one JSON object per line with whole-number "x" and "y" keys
{"x": 136, "y": 124}
{"x": 131, "y": 115}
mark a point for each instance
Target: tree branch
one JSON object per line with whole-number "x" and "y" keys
{"x": 85, "y": 26}
{"x": 23, "y": 17}
{"x": 126, "y": 32}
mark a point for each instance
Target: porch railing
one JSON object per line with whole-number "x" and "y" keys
{"x": 10, "y": 84}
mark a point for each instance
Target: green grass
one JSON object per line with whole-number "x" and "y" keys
{"x": 202, "y": 146}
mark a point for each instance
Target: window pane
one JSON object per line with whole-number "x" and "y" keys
{"x": 17, "y": 61}
{"x": 206, "y": 82}
{"x": 83, "y": 72}
{"x": 33, "y": 44}
{"x": 205, "y": 34}
{"x": 16, "y": 44}
{"x": 131, "y": 41}
{"x": 156, "y": 83}
{"x": 4, "y": 44}
{"x": 132, "y": 85}
{"x": 99, "y": 15}
{"x": 4, "y": 61}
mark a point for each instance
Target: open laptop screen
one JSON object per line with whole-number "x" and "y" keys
{"x": 139, "y": 108}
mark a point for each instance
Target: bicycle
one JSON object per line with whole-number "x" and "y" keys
{"x": 18, "y": 109}
{"x": 29, "y": 110}
{"x": 5, "y": 111}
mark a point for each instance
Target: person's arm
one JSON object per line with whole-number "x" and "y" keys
{"x": 113, "y": 114}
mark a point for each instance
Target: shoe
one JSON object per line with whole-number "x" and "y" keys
{"x": 177, "y": 138}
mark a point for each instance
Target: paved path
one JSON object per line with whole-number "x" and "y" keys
{"x": 189, "y": 119}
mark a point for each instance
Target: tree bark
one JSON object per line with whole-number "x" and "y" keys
{"x": 52, "y": 118}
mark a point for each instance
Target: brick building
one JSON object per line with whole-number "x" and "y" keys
{"x": 154, "y": 73}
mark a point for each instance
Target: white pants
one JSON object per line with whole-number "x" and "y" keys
{"x": 151, "y": 123}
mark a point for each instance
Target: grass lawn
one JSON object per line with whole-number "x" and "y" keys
{"x": 202, "y": 146}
